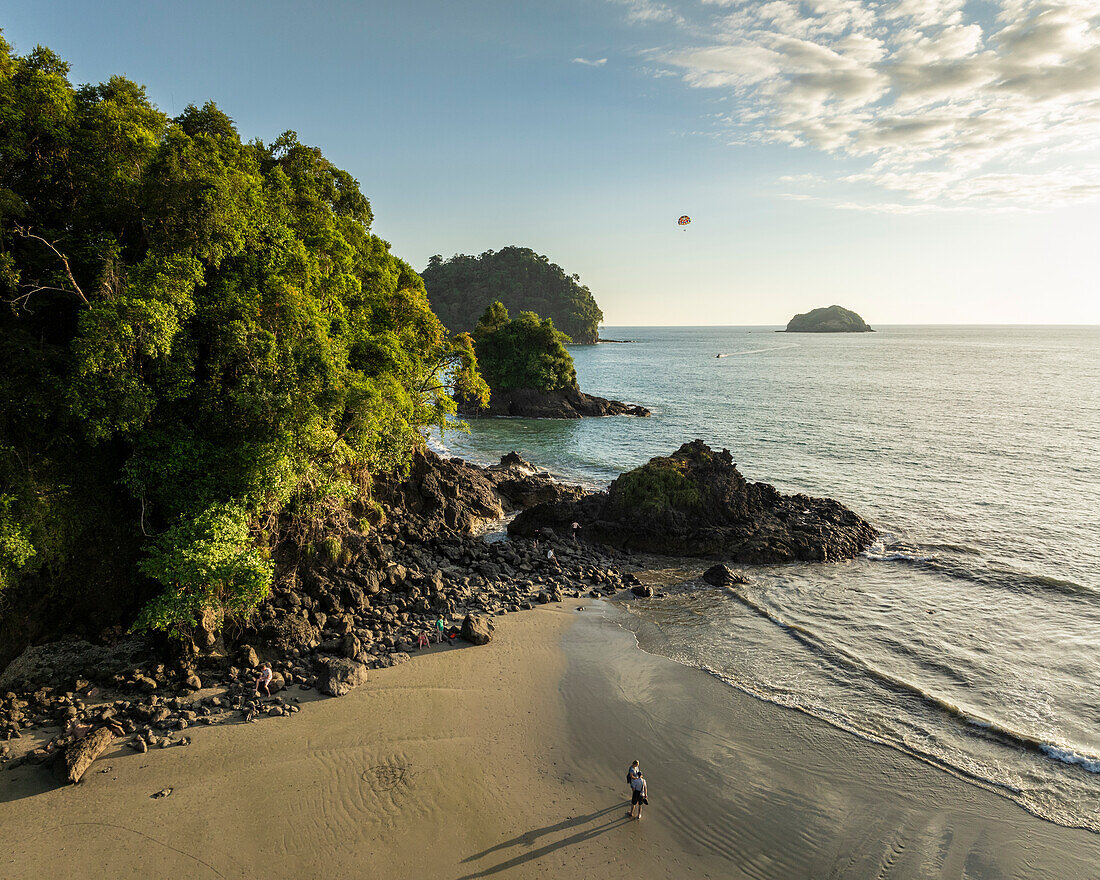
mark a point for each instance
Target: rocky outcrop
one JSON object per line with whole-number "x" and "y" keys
{"x": 454, "y": 494}
{"x": 69, "y": 660}
{"x": 833, "y": 319}
{"x": 696, "y": 503}
{"x": 572, "y": 404}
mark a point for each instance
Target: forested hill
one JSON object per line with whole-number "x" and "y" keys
{"x": 461, "y": 288}
{"x": 205, "y": 351}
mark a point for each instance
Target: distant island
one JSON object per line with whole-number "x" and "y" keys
{"x": 529, "y": 372}
{"x": 461, "y": 288}
{"x": 834, "y": 319}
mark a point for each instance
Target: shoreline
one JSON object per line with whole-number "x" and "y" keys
{"x": 507, "y": 760}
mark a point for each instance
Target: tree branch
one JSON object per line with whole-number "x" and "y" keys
{"x": 25, "y": 232}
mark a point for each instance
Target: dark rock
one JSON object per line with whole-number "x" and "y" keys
{"x": 696, "y": 503}
{"x": 146, "y": 683}
{"x": 291, "y": 633}
{"x": 571, "y": 404}
{"x": 351, "y": 646}
{"x": 337, "y": 676}
{"x": 723, "y": 576}
{"x": 477, "y": 630}
{"x": 643, "y": 591}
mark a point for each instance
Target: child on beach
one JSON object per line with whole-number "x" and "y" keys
{"x": 264, "y": 679}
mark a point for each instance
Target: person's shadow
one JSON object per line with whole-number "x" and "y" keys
{"x": 528, "y": 838}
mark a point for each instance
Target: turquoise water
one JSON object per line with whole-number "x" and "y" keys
{"x": 970, "y": 635}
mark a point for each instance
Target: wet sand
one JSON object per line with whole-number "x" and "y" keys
{"x": 509, "y": 761}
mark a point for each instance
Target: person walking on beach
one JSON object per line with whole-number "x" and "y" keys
{"x": 639, "y": 795}
{"x": 264, "y": 679}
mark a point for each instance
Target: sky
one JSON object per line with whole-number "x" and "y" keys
{"x": 918, "y": 161}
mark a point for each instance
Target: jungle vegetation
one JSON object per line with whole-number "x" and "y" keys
{"x": 525, "y": 353}
{"x": 461, "y": 288}
{"x": 204, "y": 348}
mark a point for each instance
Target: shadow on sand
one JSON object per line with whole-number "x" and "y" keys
{"x": 604, "y": 820}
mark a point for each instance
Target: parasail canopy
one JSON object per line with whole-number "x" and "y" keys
{"x": 684, "y": 220}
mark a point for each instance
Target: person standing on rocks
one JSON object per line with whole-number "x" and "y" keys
{"x": 576, "y": 526}
{"x": 264, "y": 679}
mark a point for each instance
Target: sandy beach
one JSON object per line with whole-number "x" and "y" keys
{"x": 509, "y": 760}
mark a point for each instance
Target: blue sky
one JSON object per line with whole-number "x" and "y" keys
{"x": 920, "y": 161}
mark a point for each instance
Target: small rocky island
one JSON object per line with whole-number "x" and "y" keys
{"x": 696, "y": 503}
{"x": 530, "y": 373}
{"x": 834, "y": 319}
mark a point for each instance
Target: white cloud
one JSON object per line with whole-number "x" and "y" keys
{"x": 647, "y": 11}
{"x": 591, "y": 62}
{"x": 942, "y": 106}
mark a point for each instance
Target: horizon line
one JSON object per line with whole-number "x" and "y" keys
{"x": 967, "y": 324}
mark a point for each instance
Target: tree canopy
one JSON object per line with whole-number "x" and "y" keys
{"x": 200, "y": 337}
{"x": 462, "y": 287}
{"x": 525, "y": 353}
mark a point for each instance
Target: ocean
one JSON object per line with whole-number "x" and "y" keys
{"x": 969, "y": 635}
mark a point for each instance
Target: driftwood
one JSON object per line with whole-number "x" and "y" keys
{"x": 78, "y": 757}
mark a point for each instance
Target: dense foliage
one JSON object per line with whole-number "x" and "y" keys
{"x": 525, "y": 353}
{"x": 461, "y": 288}
{"x": 660, "y": 485}
{"x": 200, "y": 338}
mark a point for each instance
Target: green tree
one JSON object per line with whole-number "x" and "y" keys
{"x": 525, "y": 353}
{"x": 201, "y": 337}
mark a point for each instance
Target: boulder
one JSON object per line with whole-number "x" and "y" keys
{"x": 723, "y": 576}
{"x": 78, "y": 757}
{"x": 477, "y": 630}
{"x": 290, "y": 633}
{"x": 337, "y": 676}
{"x": 351, "y": 646}
{"x": 642, "y": 591}
{"x": 249, "y": 658}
